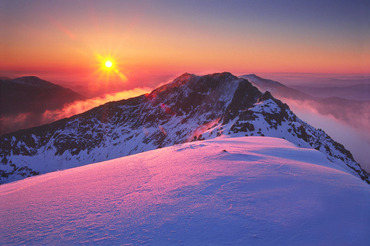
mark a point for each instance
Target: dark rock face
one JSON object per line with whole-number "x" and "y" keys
{"x": 187, "y": 109}
{"x": 244, "y": 97}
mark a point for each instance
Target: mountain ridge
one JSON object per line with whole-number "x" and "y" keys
{"x": 351, "y": 114}
{"x": 189, "y": 108}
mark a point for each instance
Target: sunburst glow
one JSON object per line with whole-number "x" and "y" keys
{"x": 108, "y": 64}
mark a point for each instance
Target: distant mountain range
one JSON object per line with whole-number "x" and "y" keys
{"x": 191, "y": 108}
{"x": 31, "y": 95}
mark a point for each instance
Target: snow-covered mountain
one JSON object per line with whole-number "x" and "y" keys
{"x": 187, "y": 109}
{"x": 222, "y": 191}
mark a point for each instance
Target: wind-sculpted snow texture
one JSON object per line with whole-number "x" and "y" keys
{"x": 189, "y": 108}
{"x": 222, "y": 191}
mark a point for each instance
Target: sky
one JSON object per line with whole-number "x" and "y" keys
{"x": 67, "y": 42}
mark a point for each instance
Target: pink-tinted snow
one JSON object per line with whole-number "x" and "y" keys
{"x": 239, "y": 191}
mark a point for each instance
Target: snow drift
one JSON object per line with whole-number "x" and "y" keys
{"x": 238, "y": 191}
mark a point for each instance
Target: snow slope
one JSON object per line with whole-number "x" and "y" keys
{"x": 234, "y": 191}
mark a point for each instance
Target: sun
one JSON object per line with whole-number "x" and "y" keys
{"x": 108, "y": 68}
{"x": 108, "y": 64}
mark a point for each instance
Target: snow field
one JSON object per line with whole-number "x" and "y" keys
{"x": 238, "y": 191}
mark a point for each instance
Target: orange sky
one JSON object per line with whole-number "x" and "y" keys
{"x": 60, "y": 40}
